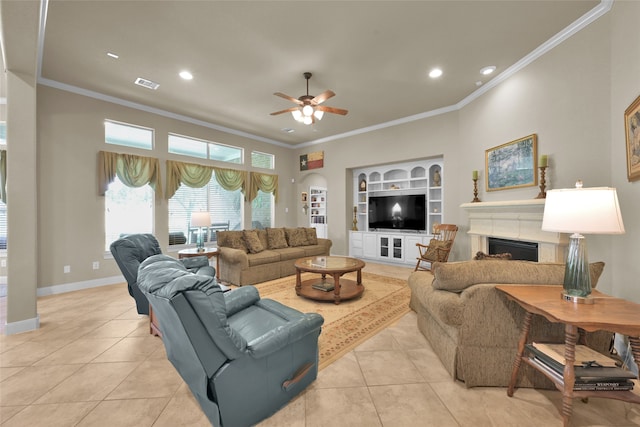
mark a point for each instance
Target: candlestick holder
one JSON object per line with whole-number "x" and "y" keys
{"x": 475, "y": 191}
{"x": 355, "y": 219}
{"x": 543, "y": 193}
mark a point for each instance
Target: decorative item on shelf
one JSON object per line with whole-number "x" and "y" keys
{"x": 436, "y": 178}
{"x": 201, "y": 220}
{"x": 474, "y": 176}
{"x": 544, "y": 159}
{"x": 355, "y": 219}
{"x": 363, "y": 185}
{"x": 581, "y": 210}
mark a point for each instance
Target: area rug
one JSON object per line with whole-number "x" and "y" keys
{"x": 348, "y": 324}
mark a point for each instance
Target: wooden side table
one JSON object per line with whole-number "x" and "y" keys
{"x": 607, "y": 313}
{"x": 208, "y": 252}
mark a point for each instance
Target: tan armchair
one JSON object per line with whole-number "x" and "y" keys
{"x": 438, "y": 248}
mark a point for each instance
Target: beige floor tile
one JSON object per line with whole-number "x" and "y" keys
{"x": 387, "y": 367}
{"x": 53, "y": 415}
{"x": 142, "y": 330}
{"x": 32, "y": 382}
{"x": 93, "y": 381}
{"x": 344, "y": 372}
{"x": 429, "y": 365}
{"x": 28, "y": 353}
{"x": 117, "y": 328}
{"x": 340, "y": 407}
{"x": 8, "y": 342}
{"x": 410, "y": 405}
{"x": 182, "y": 410}
{"x": 6, "y": 412}
{"x": 152, "y": 378}
{"x": 130, "y": 349}
{"x": 381, "y": 341}
{"x": 124, "y": 413}
{"x": 82, "y": 350}
{"x": 7, "y": 372}
{"x": 292, "y": 415}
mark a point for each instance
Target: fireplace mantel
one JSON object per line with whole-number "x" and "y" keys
{"x": 514, "y": 220}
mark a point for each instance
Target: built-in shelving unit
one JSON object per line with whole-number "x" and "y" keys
{"x": 419, "y": 177}
{"x": 318, "y": 210}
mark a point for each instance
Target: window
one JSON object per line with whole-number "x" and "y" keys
{"x": 204, "y": 149}
{"x": 128, "y": 210}
{"x": 128, "y": 135}
{"x": 225, "y": 208}
{"x": 3, "y": 226}
{"x": 262, "y": 160}
{"x": 262, "y": 210}
{"x": 3, "y": 133}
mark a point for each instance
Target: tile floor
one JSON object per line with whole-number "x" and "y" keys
{"x": 93, "y": 363}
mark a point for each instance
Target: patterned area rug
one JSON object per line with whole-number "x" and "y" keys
{"x": 384, "y": 301}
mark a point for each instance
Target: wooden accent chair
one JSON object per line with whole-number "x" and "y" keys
{"x": 438, "y": 248}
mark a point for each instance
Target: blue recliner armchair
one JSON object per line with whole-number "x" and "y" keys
{"x": 242, "y": 357}
{"x": 129, "y": 251}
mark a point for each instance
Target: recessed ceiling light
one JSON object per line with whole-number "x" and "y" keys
{"x": 487, "y": 70}
{"x": 435, "y": 73}
{"x": 147, "y": 83}
{"x": 478, "y": 83}
{"x": 287, "y": 130}
{"x": 112, "y": 55}
{"x": 186, "y": 75}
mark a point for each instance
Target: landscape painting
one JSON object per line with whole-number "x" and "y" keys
{"x": 512, "y": 165}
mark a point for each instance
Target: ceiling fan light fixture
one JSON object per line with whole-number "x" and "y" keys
{"x": 318, "y": 114}
{"x": 307, "y": 120}
{"x": 297, "y": 115}
{"x": 307, "y": 110}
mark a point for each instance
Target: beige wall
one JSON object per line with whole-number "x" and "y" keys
{"x": 71, "y": 218}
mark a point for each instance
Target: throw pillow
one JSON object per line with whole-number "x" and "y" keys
{"x": 276, "y": 238}
{"x": 231, "y": 239}
{"x": 481, "y": 255}
{"x": 312, "y": 238}
{"x": 437, "y": 250}
{"x": 252, "y": 241}
{"x": 295, "y": 236}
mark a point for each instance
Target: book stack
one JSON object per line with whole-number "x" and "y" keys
{"x": 323, "y": 286}
{"x": 593, "y": 371}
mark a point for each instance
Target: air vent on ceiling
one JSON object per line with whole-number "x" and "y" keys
{"x": 147, "y": 83}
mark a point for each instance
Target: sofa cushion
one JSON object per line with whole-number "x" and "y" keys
{"x": 296, "y": 236}
{"x": 291, "y": 253}
{"x": 264, "y": 257}
{"x": 437, "y": 250}
{"x": 252, "y": 241}
{"x": 457, "y": 276}
{"x": 312, "y": 237}
{"x": 276, "y": 238}
{"x": 232, "y": 239}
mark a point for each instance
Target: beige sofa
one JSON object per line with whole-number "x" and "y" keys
{"x": 474, "y": 329}
{"x": 253, "y": 256}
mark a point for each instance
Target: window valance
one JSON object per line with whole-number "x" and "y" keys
{"x": 133, "y": 171}
{"x": 197, "y": 176}
{"x": 262, "y": 181}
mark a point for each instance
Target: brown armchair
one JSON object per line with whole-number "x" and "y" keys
{"x": 438, "y": 248}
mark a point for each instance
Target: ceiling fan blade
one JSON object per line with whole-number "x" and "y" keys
{"x": 290, "y": 98}
{"x": 332, "y": 110}
{"x": 322, "y": 97}
{"x": 288, "y": 110}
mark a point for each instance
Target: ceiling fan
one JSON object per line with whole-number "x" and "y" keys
{"x": 309, "y": 109}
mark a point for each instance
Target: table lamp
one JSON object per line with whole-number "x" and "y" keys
{"x": 581, "y": 210}
{"x": 200, "y": 220}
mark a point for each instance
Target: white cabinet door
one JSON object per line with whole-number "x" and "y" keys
{"x": 411, "y": 251}
{"x": 370, "y": 245}
{"x": 355, "y": 244}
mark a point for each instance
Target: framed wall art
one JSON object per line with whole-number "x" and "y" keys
{"x": 632, "y": 132}
{"x": 512, "y": 165}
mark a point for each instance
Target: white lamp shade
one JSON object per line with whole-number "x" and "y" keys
{"x": 583, "y": 210}
{"x": 297, "y": 115}
{"x": 200, "y": 219}
{"x": 307, "y": 110}
{"x": 318, "y": 114}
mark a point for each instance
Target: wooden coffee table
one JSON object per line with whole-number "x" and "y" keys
{"x": 334, "y": 266}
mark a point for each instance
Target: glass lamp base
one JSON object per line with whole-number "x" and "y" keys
{"x": 577, "y": 278}
{"x": 577, "y": 299}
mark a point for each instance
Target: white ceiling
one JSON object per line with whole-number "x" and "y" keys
{"x": 375, "y": 55}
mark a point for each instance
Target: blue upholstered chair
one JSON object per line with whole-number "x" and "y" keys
{"x": 242, "y": 357}
{"x": 129, "y": 251}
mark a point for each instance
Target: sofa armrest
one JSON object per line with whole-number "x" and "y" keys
{"x": 282, "y": 336}
{"x": 240, "y": 298}
{"x": 234, "y": 256}
{"x": 196, "y": 262}
{"x": 327, "y": 243}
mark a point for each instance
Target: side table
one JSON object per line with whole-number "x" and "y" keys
{"x": 607, "y": 313}
{"x": 208, "y": 252}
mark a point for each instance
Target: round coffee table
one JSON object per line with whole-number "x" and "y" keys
{"x": 334, "y": 290}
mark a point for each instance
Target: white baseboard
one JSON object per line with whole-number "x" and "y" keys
{"x": 22, "y": 326}
{"x": 76, "y": 286}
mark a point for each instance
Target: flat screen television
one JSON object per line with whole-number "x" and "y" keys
{"x": 398, "y": 212}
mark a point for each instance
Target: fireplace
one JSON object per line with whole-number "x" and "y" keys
{"x": 517, "y": 221}
{"x": 526, "y": 251}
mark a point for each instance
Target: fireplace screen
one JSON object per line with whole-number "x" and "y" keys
{"x": 526, "y": 251}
